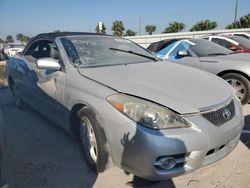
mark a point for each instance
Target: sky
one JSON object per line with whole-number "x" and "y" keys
{"x": 32, "y": 17}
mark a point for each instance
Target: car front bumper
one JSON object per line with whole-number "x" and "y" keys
{"x": 137, "y": 149}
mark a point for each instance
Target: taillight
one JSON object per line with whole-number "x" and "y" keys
{"x": 235, "y": 48}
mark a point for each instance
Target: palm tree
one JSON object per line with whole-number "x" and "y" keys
{"x": 9, "y": 39}
{"x": 25, "y": 39}
{"x": 118, "y": 28}
{"x": 97, "y": 29}
{"x": 19, "y": 36}
{"x": 129, "y": 32}
{"x": 204, "y": 25}
{"x": 174, "y": 27}
{"x": 245, "y": 21}
{"x": 150, "y": 29}
{"x": 234, "y": 25}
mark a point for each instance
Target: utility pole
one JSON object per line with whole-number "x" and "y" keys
{"x": 236, "y": 9}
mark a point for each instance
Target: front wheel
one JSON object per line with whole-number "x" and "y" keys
{"x": 93, "y": 140}
{"x": 241, "y": 86}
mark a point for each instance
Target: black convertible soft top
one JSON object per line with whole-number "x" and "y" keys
{"x": 54, "y": 35}
{"x": 157, "y": 46}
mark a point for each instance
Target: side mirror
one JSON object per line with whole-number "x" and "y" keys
{"x": 182, "y": 53}
{"x": 48, "y": 63}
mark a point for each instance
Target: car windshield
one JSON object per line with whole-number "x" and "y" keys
{"x": 245, "y": 42}
{"x": 203, "y": 48}
{"x": 94, "y": 51}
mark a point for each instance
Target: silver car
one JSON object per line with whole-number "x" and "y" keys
{"x": 155, "y": 120}
{"x": 211, "y": 57}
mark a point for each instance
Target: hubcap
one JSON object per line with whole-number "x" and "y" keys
{"x": 238, "y": 86}
{"x": 88, "y": 139}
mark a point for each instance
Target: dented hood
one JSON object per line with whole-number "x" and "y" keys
{"x": 180, "y": 88}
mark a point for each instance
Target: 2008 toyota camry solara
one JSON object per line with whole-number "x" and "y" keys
{"x": 153, "y": 119}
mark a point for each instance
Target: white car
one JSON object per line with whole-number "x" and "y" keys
{"x": 13, "y": 49}
{"x": 241, "y": 34}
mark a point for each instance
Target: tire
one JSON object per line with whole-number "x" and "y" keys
{"x": 16, "y": 98}
{"x": 240, "y": 84}
{"x": 95, "y": 153}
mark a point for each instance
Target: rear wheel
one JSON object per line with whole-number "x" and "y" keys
{"x": 93, "y": 140}
{"x": 240, "y": 84}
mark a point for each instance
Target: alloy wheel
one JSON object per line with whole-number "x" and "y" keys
{"x": 238, "y": 86}
{"x": 88, "y": 140}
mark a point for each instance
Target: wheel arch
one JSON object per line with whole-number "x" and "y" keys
{"x": 234, "y": 71}
{"x": 10, "y": 80}
{"x": 74, "y": 120}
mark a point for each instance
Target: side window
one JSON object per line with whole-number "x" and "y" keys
{"x": 173, "y": 56}
{"x": 218, "y": 41}
{"x": 222, "y": 42}
{"x": 228, "y": 44}
{"x": 40, "y": 49}
{"x": 241, "y": 35}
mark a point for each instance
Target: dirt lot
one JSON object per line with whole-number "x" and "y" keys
{"x": 39, "y": 154}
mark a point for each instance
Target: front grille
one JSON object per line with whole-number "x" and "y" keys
{"x": 222, "y": 115}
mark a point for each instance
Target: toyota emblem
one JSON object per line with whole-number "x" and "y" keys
{"x": 226, "y": 114}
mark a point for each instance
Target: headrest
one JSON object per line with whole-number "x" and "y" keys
{"x": 54, "y": 53}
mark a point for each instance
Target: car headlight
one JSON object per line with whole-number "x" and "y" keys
{"x": 146, "y": 113}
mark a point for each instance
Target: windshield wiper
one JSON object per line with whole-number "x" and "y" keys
{"x": 132, "y": 52}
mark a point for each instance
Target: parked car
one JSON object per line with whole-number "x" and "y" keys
{"x": 239, "y": 34}
{"x": 13, "y": 49}
{"x": 234, "y": 43}
{"x": 127, "y": 108}
{"x": 211, "y": 57}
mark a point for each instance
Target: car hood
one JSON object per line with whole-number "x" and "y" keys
{"x": 180, "y": 88}
{"x": 230, "y": 57}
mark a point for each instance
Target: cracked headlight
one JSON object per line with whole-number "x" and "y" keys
{"x": 147, "y": 113}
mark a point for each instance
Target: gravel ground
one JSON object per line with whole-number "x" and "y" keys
{"x": 39, "y": 154}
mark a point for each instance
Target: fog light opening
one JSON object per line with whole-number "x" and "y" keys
{"x": 167, "y": 163}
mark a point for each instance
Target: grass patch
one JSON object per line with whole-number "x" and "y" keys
{"x": 3, "y": 81}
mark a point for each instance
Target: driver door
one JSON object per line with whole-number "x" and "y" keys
{"x": 46, "y": 86}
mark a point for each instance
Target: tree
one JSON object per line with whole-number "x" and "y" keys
{"x": 22, "y": 38}
{"x": 1, "y": 41}
{"x": 57, "y": 31}
{"x": 118, "y": 28}
{"x": 9, "y": 39}
{"x": 129, "y": 32}
{"x": 97, "y": 29}
{"x": 19, "y": 36}
{"x": 25, "y": 39}
{"x": 150, "y": 29}
{"x": 244, "y": 22}
{"x": 204, "y": 25}
{"x": 234, "y": 25}
{"x": 174, "y": 27}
